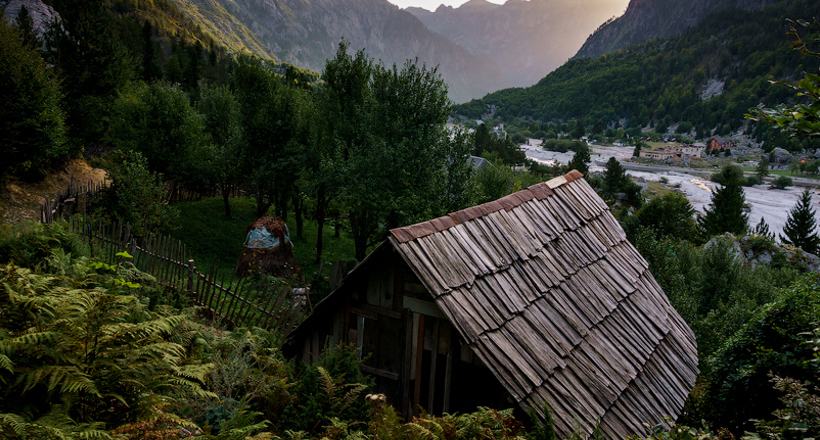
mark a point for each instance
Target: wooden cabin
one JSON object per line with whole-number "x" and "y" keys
{"x": 534, "y": 299}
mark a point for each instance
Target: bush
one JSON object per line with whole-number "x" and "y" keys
{"x": 29, "y": 244}
{"x": 782, "y": 182}
{"x": 772, "y": 342}
{"x": 136, "y": 195}
{"x": 328, "y": 389}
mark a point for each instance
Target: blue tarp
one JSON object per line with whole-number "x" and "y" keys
{"x": 262, "y": 239}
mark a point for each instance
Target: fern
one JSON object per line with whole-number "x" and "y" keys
{"x": 98, "y": 356}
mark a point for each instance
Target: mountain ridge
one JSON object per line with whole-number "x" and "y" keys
{"x": 527, "y": 39}
{"x": 648, "y": 19}
{"x": 306, "y": 33}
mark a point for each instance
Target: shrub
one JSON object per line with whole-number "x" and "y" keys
{"x": 29, "y": 244}
{"x": 782, "y": 182}
{"x": 328, "y": 389}
{"x": 770, "y": 343}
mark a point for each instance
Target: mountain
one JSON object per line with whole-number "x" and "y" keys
{"x": 699, "y": 83}
{"x": 648, "y": 19}
{"x": 307, "y": 32}
{"x": 527, "y": 39}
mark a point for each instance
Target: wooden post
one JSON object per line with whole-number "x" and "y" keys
{"x": 191, "y": 269}
{"x": 448, "y": 374}
{"x": 407, "y": 365}
{"x": 433, "y": 358}
{"x": 419, "y": 355}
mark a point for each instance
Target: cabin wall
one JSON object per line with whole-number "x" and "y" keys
{"x": 408, "y": 345}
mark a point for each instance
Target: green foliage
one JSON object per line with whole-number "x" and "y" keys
{"x": 801, "y": 224}
{"x": 31, "y": 117}
{"x": 669, "y": 216}
{"x": 390, "y": 146}
{"x": 25, "y": 26}
{"x": 29, "y": 244}
{"x": 94, "y": 64}
{"x": 580, "y": 161}
{"x": 801, "y": 119}
{"x": 798, "y": 419}
{"x": 86, "y": 355}
{"x": 158, "y": 121}
{"x": 726, "y": 212}
{"x": 328, "y": 389}
{"x": 770, "y": 343}
{"x": 664, "y": 77}
{"x": 782, "y": 182}
{"x": 223, "y": 122}
{"x": 136, "y": 195}
{"x": 763, "y": 167}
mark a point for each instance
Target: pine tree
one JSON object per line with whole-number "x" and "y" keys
{"x": 726, "y": 214}
{"x": 763, "y": 167}
{"x": 762, "y": 228}
{"x": 25, "y": 26}
{"x": 801, "y": 224}
{"x": 615, "y": 179}
{"x": 580, "y": 160}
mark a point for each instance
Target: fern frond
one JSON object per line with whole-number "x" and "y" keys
{"x": 6, "y": 363}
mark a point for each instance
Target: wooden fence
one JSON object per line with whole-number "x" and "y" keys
{"x": 238, "y": 302}
{"x": 76, "y": 198}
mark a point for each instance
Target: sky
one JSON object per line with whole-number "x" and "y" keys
{"x": 433, "y": 4}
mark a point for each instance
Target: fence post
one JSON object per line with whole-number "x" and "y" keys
{"x": 191, "y": 270}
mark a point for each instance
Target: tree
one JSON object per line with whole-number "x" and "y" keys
{"x": 801, "y": 119}
{"x": 638, "y": 146}
{"x": 223, "y": 122}
{"x": 782, "y": 182}
{"x": 94, "y": 64}
{"x": 762, "y": 228}
{"x": 158, "y": 121}
{"x": 801, "y": 224}
{"x": 763, "y": 167}
{"x": 669, "y": 216}
{"x": 31, "y": 117}
{"x": 273, "y": 123}
{"x": 726, "y": 212}
{"x": 391, "y": 145}
{"x": 25, "y": 26}
{"x": 614, "y": 176}
{"x": 580, "y": 160}
{"x": 151, "y": 70}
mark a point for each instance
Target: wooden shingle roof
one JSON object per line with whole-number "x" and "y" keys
{"x": 546, "y": 290}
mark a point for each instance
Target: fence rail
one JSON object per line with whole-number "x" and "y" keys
{"x": 238, "y": 302}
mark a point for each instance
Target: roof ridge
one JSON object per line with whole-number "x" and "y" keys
{"x": 538, "y": 191}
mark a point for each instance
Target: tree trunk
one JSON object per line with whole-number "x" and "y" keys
{"x": 297, "y": 211}
{"x": 225, "y": 200}
{"x": 262, "y": 205}
{"x": 336, "y": 226}
{"x": 320, "y": 222}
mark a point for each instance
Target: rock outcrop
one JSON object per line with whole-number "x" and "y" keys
{"x": 42, "y": 15}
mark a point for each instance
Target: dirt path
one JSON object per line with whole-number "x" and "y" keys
{"x": 22, "y": 201}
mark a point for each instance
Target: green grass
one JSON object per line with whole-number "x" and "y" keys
{"x": 203, "y": 227}
{"x": 660, "y": 188}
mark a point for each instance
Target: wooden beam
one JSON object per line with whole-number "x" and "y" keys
{"x": 382, "y": 373}
{"x": 423, "y": 307}
{"x": 419, "y": 351}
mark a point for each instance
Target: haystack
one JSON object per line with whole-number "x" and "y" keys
{"x": 268, "y": 250}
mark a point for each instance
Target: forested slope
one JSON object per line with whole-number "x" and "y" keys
{"x": 662, "y": 82}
